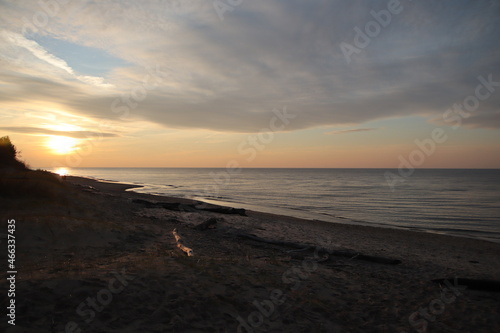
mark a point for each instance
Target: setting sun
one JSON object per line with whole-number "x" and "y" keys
{"x": 62, "y": 144}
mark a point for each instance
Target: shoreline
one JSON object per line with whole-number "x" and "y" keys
{"x": 286, "y": 274}
{"x": 360, "y": 235}
{"x": 287, "y": 212}
{"x": 339, "y": 220}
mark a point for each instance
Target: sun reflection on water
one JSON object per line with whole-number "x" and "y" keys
{"x": 62, "y": 171}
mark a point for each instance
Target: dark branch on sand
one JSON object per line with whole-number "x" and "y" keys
{"x": 225, "y": 210}
{"x": 175, "y": 206}
{"x": 208, "y": 224}
{"x": 473, "y": 284}
{"x": 182, "y": 207}
{"x": 303, "y": 247}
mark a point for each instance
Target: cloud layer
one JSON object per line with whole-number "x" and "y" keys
{"x": 70, "y": 134}
{"x": 351, "y": 131}
{"x": 189, "y": 69}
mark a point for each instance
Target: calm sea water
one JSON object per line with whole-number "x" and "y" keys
{"x": 456, "y": 202}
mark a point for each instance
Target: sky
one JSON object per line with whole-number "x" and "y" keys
{"x": 252, "y": 83}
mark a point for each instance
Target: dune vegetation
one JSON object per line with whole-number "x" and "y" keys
{"x": 18, "y": 180}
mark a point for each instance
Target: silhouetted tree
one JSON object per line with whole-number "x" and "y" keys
{"x": 9, "y": 155}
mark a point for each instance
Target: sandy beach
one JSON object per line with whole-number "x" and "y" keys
{"x": 249, "y": 166}
{"x": 97, "y": 258}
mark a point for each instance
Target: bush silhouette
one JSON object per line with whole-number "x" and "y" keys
{"x": 18, "y": 181}
{"x": 9, "y": 155}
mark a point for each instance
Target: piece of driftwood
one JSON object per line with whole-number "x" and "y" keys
{"x": 175, "y": 206}
{"x": 225, "y": 210}
{"x": 472, "y": 284}
{"x": 182, "y": 207}
{"x": 147, "y": 204}
{"x": 181, "y": 245}
{"x": 208, "y": 224}
{"x": 174, "y": 220}
{"x": 345, "y": 253}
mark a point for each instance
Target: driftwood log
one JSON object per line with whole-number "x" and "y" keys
{"x": 175, "y": 206}
{"x": 208, "y": 224}
{"x": 225, "y": 210}
{"x": 181, "y": 245}
{"x": 190, "y": 207}
{"x": 344, "y": 253}
{"x": 472, "y": 284}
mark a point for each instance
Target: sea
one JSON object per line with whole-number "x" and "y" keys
{"x": 458, "y": 202}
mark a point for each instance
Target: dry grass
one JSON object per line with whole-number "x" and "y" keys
{"x": 32, "y": 184}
